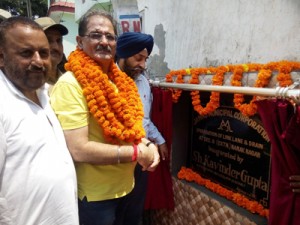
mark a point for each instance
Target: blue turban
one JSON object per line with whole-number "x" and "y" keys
{"x": 131, "y": 43}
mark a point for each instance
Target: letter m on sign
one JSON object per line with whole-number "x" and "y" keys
{"x": 130, "y": 23}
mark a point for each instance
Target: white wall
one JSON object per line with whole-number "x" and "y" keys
{"x": 200, "y": 33}
{"x": 81, "y": 7}
{"x": 69, "y": 41}
{"x": 128, "y": 9}
{"x": 68, "y": 20}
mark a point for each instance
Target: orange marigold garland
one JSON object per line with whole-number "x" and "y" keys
{"x": 263, "y": 78}
{"x": 265, "y": 72}
{"x": 284, "y": 79}
{"x": 179, "y": 79}
{"x": 214, "y": 102}
{"x": 112, "y": 98}
{"x": 241, "y": 200}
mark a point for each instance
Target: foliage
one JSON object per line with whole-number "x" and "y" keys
{"x": 19, "y": 7}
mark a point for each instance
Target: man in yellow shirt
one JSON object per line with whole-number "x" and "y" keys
{"x": 101, "y": 113}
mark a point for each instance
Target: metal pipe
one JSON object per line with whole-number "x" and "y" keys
{"x": 275, "y": 92}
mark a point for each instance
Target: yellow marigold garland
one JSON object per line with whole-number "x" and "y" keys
{"x": 242, "y": 201}
{"x": 112, "y": 98}
{"x": 284, "y": 68}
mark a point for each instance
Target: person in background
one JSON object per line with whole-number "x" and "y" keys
{"x": 133, "y": 49}
{"x": 54, "y": 33}
{"x": 61, "y": 65}
{"x": 4, "y": 15}
{"x": 37, "y": 177}
{"x": 102, "y": 117}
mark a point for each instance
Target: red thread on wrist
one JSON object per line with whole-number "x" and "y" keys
{"x": 135, "y": 152}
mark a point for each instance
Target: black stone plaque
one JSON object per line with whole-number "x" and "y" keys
{"x": 233, "y": 150}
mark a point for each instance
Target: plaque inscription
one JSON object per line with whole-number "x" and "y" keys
{"x": 234, "y": 151}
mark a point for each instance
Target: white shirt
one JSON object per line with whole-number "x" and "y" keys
{"x": 4, "y": 213}
{"x": 37, "y": 174}
{"x": 146, "y": 96}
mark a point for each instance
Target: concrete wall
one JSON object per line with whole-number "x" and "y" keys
{"x": 68, "y": 20}
{"x": 82, "y": 6}
{"x": 200, "y": 33}
{"x": 69, "y": 40}
{"x": 126, "y": 14}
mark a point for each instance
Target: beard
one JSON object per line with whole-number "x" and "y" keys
{"x": 132, "y": 72}
{"x": 29, "y": 79}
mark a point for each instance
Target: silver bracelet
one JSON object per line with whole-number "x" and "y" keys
{"x": 119, "y": 149}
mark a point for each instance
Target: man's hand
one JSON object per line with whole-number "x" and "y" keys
{"x": 163, "y": 150}
{"x": 156, "y": 158}
{"x": 148, "y": 156}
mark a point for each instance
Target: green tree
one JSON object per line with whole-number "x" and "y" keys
{"x": 38, "y": 7}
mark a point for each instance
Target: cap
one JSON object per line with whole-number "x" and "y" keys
{"x": 47, "y": 22}
{"x": 4, "y": 14}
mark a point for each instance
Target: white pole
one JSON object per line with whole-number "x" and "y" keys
{"x": 275, "y": 92}
{"x": 29, "y": 10}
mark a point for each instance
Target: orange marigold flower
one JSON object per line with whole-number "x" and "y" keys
{"x": 253, "y": 206}
{"x": 107, "y": 96}
{"x": 263, "y": 78}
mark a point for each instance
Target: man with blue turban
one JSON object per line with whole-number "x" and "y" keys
{"x": 133, "y": 49}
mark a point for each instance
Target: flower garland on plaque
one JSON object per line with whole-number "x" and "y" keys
{"x": 284, "y": 68}
{"x": 242, "y": 201}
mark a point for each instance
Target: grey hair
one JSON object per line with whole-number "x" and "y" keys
{"x": 82, "y": 27}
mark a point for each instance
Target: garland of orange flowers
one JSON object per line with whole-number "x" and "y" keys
{"x": 265, "y": 72}
{"x": 241, "y": 200}
{"x": 112, "y": 98}
{"x": 263, "y": 78}
{"x": 284, "y": 79}
{"x": 179, "y": 79}
{"x": 214, "y": 102}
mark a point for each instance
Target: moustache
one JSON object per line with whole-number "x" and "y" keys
{"x": 138, "y": 69}
{"x": 103, "y": 48}
{"x": 33, "y": 68}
